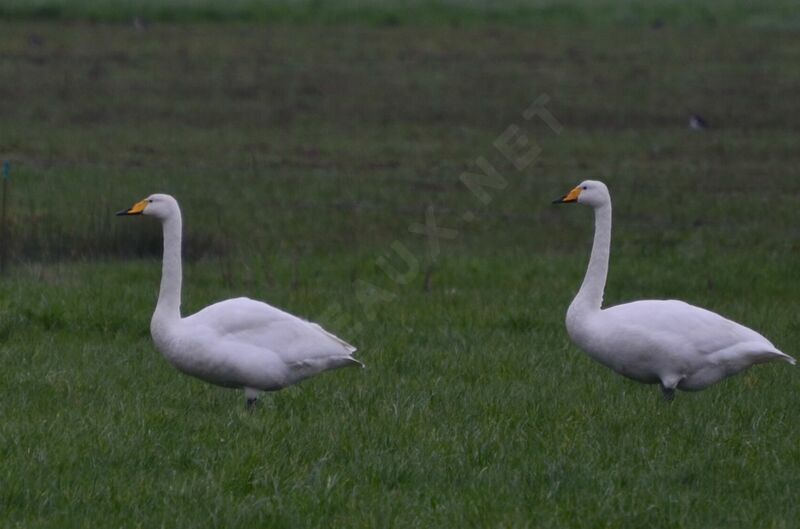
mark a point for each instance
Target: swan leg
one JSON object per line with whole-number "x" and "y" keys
{"x": 668, "y": 385}
{"x": 251, "y": 396}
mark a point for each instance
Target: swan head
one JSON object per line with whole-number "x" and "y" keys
{"x": 590, "y": 192}
{"x": 158, "y": 205}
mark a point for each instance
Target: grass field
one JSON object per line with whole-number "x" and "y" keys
{"x": 303, "y": 153}
{"x": 766, "y": 14}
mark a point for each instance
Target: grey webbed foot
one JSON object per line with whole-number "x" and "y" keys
{"x": 250, "y": 404}
{"x": 669, "y": 393}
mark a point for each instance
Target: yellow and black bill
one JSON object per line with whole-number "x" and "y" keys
{"x": 572, "y": 196}
{"x": 135, "y": 209}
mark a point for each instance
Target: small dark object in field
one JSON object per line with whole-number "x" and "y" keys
{"x": 696, "y": 122}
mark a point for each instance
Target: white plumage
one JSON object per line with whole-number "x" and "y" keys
{"x": 667, "y": 342}
{"x": 237, "y": 343}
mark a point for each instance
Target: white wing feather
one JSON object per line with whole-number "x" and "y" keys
{"x": 680, "y": 324}
{"x": 249, "y": 322}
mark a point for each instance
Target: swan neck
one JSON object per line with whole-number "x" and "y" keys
{"x": 169, "y": 296}
{"x": 590, "y": 296}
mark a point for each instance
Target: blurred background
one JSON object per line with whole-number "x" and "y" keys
{"x": 305, "y": 126}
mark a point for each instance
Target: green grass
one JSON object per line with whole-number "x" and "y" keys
{"x": 393, "y": 13}
{"x": 300, "y": 155}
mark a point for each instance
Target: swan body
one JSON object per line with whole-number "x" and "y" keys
{"x": 666, "y": 342}
{"x": 236, "y": 343}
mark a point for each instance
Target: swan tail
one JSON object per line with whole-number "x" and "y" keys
{"x": 771, "y": 355}
{"x": 786, "y": 358}
{"x": 354, "y": 362}
{"x": 350, "y": 349}
{"x": 743, "y": 355}
{"x": 312, "y": 366}
{"x": 338, "y": 362}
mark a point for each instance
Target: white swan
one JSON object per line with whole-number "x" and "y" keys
{"x": 667, "y": 342}
{"x": 237, "y": 343}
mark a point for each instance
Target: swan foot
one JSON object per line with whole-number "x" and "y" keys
{"x": 251, "y": 396}
{"x": 669, "y": 393}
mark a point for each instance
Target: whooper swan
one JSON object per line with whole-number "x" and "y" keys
{"x": 667, "y": 342}
{"x": 236, "y": 343}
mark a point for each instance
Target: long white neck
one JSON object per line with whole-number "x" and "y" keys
{"x": 169, "y": 297}
{"x": 590, "y": 296}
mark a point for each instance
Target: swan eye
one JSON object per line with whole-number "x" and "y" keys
{"x": 584, "y": 187}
